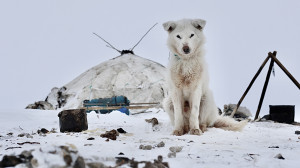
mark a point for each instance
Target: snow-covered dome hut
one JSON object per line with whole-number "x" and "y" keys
{"x": 139, "y": 79}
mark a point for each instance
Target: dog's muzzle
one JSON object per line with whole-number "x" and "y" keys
{"x": 186, "y": 49}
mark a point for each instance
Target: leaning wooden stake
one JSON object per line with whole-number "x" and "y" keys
{"x": 286, "y": 71}
{"x": 266, "y": 84}
{"x": 250, "y": 85}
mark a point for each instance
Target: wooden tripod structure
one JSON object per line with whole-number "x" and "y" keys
{"x": 273, "y": 58}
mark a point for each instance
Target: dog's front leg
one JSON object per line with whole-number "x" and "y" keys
{"x": 194, "y": 116}
{"x": 177, "y": 100}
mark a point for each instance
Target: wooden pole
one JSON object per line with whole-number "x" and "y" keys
{"x": 265, "y": 85}
{"x": 250, "y": 85}
{"x": 286, "y": 71}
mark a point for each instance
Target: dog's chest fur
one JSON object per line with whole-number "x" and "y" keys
{"x": 186, "y": 73}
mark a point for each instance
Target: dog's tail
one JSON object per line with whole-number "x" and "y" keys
{"x": 228, "y": 123}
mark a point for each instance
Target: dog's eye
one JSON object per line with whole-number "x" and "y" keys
{"x": 178, "y": 36}
{"x": 191, "y": 35}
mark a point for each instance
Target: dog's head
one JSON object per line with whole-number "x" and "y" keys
{"x": 185, "y": 36}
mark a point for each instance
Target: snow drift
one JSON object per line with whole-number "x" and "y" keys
{"x": 139, "y": 79}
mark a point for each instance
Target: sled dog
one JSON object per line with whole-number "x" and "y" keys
{"x": 190, "y": 103}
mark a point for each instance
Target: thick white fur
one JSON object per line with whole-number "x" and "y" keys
{"x": 190, "y": 103}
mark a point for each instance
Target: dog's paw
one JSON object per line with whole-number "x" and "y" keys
{"x": 178, "y": 132}
{"x": 203, "y": 127}
{"x": 195, "y": 132}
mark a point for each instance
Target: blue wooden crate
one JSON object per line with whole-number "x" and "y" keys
{"x": 115, "y": 101}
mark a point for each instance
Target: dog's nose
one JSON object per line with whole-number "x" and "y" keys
{"x": 186, "y": 49}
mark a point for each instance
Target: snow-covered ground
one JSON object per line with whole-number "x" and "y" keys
{"x": 256, "y": 146}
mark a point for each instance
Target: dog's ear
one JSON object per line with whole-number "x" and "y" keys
{"x": 169, "y": 26}
{"x": 198, "y": 23}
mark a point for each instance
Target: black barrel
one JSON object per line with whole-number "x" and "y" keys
{"x": 73, "y": 120}
{"x": 282, "y": 113}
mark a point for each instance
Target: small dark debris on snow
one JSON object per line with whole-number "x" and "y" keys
{"x": 91, "y": 138}
{"x": 10, "y": 134}
{"x": 28, "y": 143}
{"x": 154, "y": 121}
{"x": 121, "y": 131}
{"x": 158, "y": 163}
{"x": 110, "y": 134}
{"x": 121, "y": 153}
{"x": 297, "y": 132}
{"x": 279, "y": 156}
{"x": 42, "y": 131}
{"x": 12, "y": 148}
{"x": 273, "y": 146}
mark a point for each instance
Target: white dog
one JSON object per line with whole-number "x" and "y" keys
{"x": 190, "y": 103}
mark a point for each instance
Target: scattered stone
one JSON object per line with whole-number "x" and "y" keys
{"x": 297, "y": 132}
{"x": 10, "y": 161}
{"x": 172, "y": 155}
{"x": 242, "y": 112}
{"x": 279, "y": 156}
{"x": 42, "y": 131}
{"x": 121, "y": 153}
{"x": 73, "y": 120}
{"x": 10, "y": 134}
{"x": 121, "y": 131}
{"x": 273, "y": 146}
{"x": 88, "y": 145}
{"x": 122, "y": 160}
{"x": 176, "y": 149}
{"x": 79, "y": 163}
{"x": 110, "y": 134}
{"x": 154, "y": 121}
{"x": 42, "y": 105}
{"x": 145, "y": 147}
{"x": 68, "y": 159}
{"x": 26, "y": 135}
{"x": 91, "y": 138}
{"x": 96, "y": 165}
{"x": 161, "y": 144}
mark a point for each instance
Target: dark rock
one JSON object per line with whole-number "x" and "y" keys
{"x": 297, "y": 132}
{"x": 96, "y": 165}
{"x": 10, "y": 161}
{"x": 41, "y": 105}
{"x": 122, "y": 160}
{"x": 91, "y": 138}
{"x": 273, "y": 146}
{"x": 73, "y": 120}
{"x": 154, "y": 121}
{"x": 79, "y": 163}
{"x": 110, "y": 134}
{"x": 42, "y": 131}
{"x": 121, "y": 131}
{"x": 161, "y": 144}
{"x": 279, "y": 156}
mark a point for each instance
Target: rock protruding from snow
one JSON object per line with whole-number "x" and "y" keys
{"x": 139, "y": 79}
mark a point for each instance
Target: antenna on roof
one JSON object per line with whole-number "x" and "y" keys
{"x": 125, "y": 51}
{"x": 109, "y": 45}
{"x": 143, "y": 36}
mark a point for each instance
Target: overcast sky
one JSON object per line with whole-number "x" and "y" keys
{"x": 44, "y": 44}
